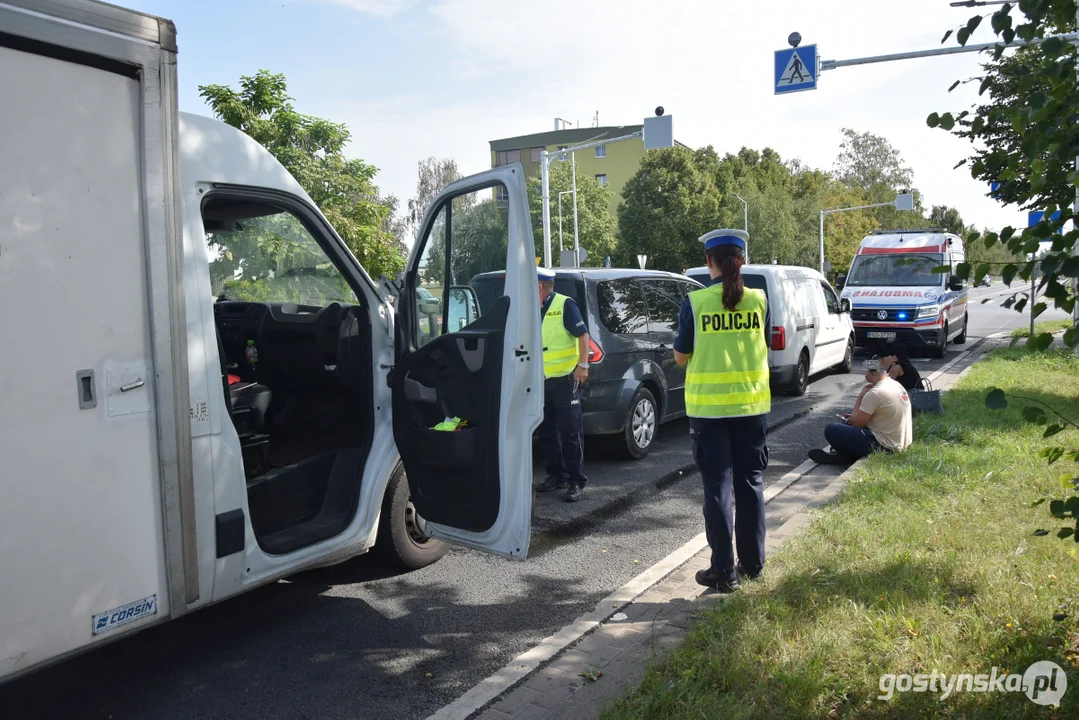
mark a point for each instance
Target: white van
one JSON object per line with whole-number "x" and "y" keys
{"x": 202, "y": 390}
{"x": 896, "y": 297}
{"x": 811, "y": 332}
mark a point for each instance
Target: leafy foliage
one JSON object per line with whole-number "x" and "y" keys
{"x": 312, "y": 150}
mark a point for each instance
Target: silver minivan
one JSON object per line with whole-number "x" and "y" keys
{"x": 811, "y": 331}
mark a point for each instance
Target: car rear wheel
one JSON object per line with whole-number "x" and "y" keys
{"x": 642, "y": 424}
{"x": 798, "y": 386}
{"x": 402, "y": 539}
{"x": 848, "y": 358}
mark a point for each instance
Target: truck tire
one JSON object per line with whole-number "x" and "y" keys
{"x": 962, "y": 337}
{"x": 942, "y": 350}
{"x": 400, "y": 540}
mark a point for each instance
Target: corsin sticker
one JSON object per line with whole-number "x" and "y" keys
{"x": 117, "y": 617}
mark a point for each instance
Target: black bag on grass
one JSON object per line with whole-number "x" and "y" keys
{"x": 925, "y": 399}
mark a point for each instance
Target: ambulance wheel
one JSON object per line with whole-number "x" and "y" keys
{"x": 848, "y": 358}
{"x": 962, "y": 337}
{"x": 639, "y": 437}
{"x": 941, "y": 350}
{"x": 798, "y": 386}
{"x": 401, "y": 539}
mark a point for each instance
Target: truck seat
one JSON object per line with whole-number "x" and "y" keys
{"x": 248, "y": 403}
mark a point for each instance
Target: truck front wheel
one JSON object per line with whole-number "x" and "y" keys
{"x": 402, "y": 540}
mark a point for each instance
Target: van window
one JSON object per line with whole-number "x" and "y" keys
{"x": 491, "y": 286}
{"x": 830, "y": 299}
{"x": 621, "y": 307}
{"x": 664, "y": 303}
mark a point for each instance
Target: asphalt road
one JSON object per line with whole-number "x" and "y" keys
{"x": 360, "y": 640}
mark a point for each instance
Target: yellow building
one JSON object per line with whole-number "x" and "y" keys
{"x": 612, "y": 165}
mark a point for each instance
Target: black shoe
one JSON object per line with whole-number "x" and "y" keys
{"x": 823, "y": 458}
{"x": 747, "y": 573}
{"x": 574, "y": 492}
{"x": 711, "y": 580}
{"x": 551, "y": 483}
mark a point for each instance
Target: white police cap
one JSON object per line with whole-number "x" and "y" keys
{"x": 717, "y": 238}
{"x": 545, "y": 273}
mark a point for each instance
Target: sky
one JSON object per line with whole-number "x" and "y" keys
{"x": 419, "y": 78}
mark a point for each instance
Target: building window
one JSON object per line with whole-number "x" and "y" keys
{"x": 501, "y": 159}
{"x": 601, "y": 151}
{"x": 513, "y": 156}
{"x": 501, "y": 193}
{"x": 536, "y": 154}
{"x": 602, "y": 180}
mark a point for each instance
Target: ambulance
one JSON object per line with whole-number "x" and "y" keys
{"x": 202, "y": 389}
{"x": 902, "y": 290}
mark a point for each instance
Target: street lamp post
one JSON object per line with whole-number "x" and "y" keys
{"x": 576, "y": 239}
{"x": 564, "y": 192}
{"x": 903, "y": 201}
{"x": 746, "y": 208}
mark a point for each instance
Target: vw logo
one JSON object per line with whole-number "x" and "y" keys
{"x": 882, "y": 315}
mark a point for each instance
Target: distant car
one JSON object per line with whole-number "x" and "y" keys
{"x": 811, "y": 330}
{"x": 634, "y": 384}
{"x": 985, "y": 282}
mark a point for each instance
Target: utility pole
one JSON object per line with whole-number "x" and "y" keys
{"x": 746, "y": 209}
{"x": 576, "y": 239}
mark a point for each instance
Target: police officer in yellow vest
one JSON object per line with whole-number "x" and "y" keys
{"x": 565, "y": 369}
{"x": 722, "y": 338}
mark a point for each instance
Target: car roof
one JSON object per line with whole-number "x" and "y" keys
{"x": 776, "y": 271}
{"x": 597, "y": 273}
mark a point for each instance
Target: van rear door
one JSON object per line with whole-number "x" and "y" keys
{"x": 467, "y": 398}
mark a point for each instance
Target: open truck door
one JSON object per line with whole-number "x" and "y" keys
{"x": 477, "y": 377}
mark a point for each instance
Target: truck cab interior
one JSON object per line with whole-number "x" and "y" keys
{"x": 294, "y": 343}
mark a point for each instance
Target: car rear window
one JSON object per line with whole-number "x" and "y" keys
{"x": 491, "y": 287}
{"x": 621, "y": 307}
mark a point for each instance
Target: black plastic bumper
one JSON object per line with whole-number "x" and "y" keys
{"x": 905, "y": 337}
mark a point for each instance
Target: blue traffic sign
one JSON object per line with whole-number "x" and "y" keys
{"x": 796, "y": 69}
{"x": 1036, "y": 216}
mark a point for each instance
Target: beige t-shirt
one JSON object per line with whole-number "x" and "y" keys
{"x": 888, "y": 405}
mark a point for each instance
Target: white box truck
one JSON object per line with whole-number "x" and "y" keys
{"x": 201, "y": 390}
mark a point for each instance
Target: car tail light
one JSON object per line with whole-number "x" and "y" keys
{"x": 595, "y": 352}
{"x": 779, "y": 338}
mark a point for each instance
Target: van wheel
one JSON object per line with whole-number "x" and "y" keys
{"x": 942, "y": 349}
{"x": 801, "y": 378}
{"x": 962, "y": 337}
{"x": 639, "y": 437}
{"x": 848, "y": 358}
{"x": 401, "y": 538}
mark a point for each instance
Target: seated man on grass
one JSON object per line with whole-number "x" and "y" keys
{"x": 880, "y": 420}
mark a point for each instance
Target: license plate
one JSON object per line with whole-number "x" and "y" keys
{"x": 880, "y": 335}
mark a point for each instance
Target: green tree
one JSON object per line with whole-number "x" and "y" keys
{"x": 596, "y": 228}
{"x": 947, "y": 218}
{"x": 666, "y": 205}
{"x": 1024, "y": 137}
{"x": 432, "y": 177}
{"x": 872, "y": 165}
{"x": 312, "y": 150}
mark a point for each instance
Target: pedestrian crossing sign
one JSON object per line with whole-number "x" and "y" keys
{"x": 796, "y": 69}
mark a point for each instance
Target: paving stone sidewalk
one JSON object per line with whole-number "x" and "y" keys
{"x": 606, "y": 662}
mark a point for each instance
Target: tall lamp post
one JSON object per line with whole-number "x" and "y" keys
{"x": 746, "y": 208}
{"x": 574, "y": 194}
{"x": 904, "y": 201}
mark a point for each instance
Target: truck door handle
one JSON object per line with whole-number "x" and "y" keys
{"x": 132, "y": 386}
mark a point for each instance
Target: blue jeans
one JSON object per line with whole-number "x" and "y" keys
{"x": 731, "y": 454}
{"x": 850, "y": 441}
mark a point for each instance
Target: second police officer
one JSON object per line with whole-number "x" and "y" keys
{"x": 723, "y": 333}
{"x": 565, "y": 370}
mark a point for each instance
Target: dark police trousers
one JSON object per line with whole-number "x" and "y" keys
{"x": 732, "y": 453}
{"x": 561, "y": 434}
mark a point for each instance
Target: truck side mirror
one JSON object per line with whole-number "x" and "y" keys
{"x": 840, "y": 281}
{"x": 956, "y": 283}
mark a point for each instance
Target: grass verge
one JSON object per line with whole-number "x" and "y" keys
{"x": 1042, "y": 327}
{"x": 926, "y": 562}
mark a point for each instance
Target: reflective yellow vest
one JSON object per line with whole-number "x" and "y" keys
{"x": 727, "y": 375}
{"x": 560, "y": 351}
